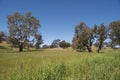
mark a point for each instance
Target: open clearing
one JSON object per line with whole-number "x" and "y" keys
{"x": 59, "y": 64}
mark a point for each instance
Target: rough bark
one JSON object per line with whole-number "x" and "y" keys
{"x": 99, "y": 47}
{"x": 89, "y": 49}
{"x": 21, "y": 47}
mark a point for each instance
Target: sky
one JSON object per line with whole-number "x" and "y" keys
{"x": 58, "y": 18}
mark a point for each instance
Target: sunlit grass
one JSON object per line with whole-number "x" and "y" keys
{"x": 59, "y": 64}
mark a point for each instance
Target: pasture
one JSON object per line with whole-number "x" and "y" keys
{"x": 59, "y": 64}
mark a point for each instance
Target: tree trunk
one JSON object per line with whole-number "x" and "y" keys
{"x": 21, "y": 47}
{"x": 89, "y": 49}
{"x": 98, "y": 50}
{"x": 99, "y": 47}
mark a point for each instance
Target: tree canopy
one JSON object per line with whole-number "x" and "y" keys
{"x": 22, "y": 27}
{"x": 83, "y": 37}
{"x": 55, "y": 43}
{"x": 101, "y": 35}
{"x": 86, "y": 36}
{"x": 39, "y": 40}
{"x": 64, "y": 44}
{"x": 114, "y": 32}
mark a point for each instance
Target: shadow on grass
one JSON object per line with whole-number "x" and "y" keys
{"x": 2, "y": 47}
{"x": 24, "y": 51}
{"x": 31, "y": 50}
{"x": 101, "y": 52}
{"x": 37, "y": 50}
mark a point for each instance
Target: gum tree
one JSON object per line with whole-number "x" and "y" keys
{"x": 22, "y": 27}
{"x": 101, "y": 35}
{"x": 83, "y": 37}
{"x": 114, "y": 32}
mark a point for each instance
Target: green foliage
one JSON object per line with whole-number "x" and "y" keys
{"x": 83, "y": 37}
{"x": 55, "y": 43}
{"x": 46, "y": 46}
{"x": 86, "y": 36}
{"x": 64, "y": 44}
{"x": 77, "y": 46}
{"x": 22, "y": 27}
{"x": 13, "y": 41}
{"x": 101, "y": 35}
{"x": 2, "y": 36}
{"x": 39, "y": 40}
{"x": 114, "y": 33}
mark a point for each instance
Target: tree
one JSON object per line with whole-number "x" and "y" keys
{"x": 64, "y": 44}
{"x": 55, "y": 43}
{"x": 45, "y": 46}
{"x": 101, "y": 35}
{"x": 83, "y": 37}
{"x": 114, "y": 33}
{"x": 2, "y": 36}
{"x": 22, "y": 27}
{"x": 39, "y": 40}
{"x": 68, "y": 44}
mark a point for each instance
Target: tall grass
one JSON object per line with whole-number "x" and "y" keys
{"x": 60, "y": 65}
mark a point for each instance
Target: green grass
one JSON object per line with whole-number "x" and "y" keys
{"x": 59, "y": 64}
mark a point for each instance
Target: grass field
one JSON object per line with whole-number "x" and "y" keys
{"x": 59, "y": 64}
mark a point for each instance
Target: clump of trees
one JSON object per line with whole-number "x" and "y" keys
{"x": 45, "y": 46}
{"x": 85, "y": 36}
{"x": 114, "y": 33}
{"x": 55, "y": 43}
{"x": 21, "y": 28}
{"x": 2, "y": 36}
{"x": 63, "y": 44}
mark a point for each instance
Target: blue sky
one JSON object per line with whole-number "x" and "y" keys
{"x": 58, "y": 18}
